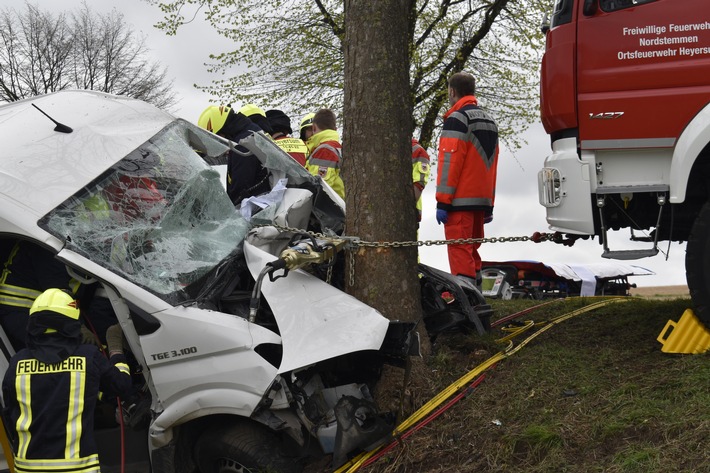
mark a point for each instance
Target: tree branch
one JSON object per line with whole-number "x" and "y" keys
{"x": 337, "y": 30}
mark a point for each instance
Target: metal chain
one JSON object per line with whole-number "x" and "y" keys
{"x": 352, "y": 268}
{"x": 352, "y": 243}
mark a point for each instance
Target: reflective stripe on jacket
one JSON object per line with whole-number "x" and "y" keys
{"x": 295, "y": 147}
{"x": 468, "y": 158}
{"x": 28, "y": 271}
{"x": 324, "y": 161}
{"x": 51, "y": 407}
{"x": 420, "y": 170}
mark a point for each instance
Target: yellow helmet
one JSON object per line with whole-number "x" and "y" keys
{"x": 213, "y": 118}
{"x": 251, "y": 109}
{"x": 307, "y": 120}
{"x": 58, "y": 301}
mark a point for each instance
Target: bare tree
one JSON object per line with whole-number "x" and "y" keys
{"x": 35, "y": 50}
{"x": 42, "y": 53}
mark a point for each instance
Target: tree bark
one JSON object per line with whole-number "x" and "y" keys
{"x": 377, "y": 167}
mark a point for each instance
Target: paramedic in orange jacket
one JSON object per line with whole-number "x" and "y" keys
{"x": 466, "y": 178}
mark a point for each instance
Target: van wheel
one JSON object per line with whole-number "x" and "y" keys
{"x": 697, "y": 265}
{"x": 243, "y": 448}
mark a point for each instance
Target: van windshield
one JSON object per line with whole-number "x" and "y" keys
{"x": 160, "y": 217}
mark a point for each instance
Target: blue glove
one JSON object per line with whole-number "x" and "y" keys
{"x": 442, "y": 216}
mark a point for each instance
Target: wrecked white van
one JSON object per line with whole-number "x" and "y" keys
{"x": 178, "y": 264}
{"x": 243, "y": 366}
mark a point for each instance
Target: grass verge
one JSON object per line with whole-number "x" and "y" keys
{"x": 592, "y": 394}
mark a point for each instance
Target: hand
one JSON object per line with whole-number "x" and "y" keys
{"x": 88, "y": 337}
{"x": 442, "y": 216}
{"x": 114, "y": 340}
{"x": 488, "y": 217}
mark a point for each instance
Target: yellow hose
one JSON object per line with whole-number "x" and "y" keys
{"x": 358, "y": 461}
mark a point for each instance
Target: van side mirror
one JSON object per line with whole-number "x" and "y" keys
{"x": 590, "y": 7}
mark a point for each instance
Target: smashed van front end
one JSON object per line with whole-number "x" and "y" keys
{"x": 152, "y": 226}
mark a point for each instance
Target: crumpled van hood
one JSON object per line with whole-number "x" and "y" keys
{"x": 316, "y": 320}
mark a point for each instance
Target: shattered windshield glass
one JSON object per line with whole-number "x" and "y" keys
{"x": 160, "y": 216}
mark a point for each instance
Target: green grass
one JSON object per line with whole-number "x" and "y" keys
{"x": 591, "y": 394}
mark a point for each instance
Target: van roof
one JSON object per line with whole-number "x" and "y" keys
{"x": 40, "y": 167}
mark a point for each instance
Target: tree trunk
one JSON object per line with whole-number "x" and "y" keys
{"x": 377, "y": 159}
{"x": 377, "y": 155}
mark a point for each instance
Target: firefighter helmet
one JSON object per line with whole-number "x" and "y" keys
{"x": 56, "y": 300}
{"x": 307, "y": 121}
{"x": 213, "y": 118}
{"x": 250, "y": 109}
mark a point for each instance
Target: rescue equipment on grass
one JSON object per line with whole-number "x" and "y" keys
{"x": 688, "y": 335}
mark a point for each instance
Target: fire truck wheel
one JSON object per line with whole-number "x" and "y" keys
{"x": 242, "y": 448}
{"x": 697, "y": 265}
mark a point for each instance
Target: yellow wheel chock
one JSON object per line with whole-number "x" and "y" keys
{"x": 688, "y": 335}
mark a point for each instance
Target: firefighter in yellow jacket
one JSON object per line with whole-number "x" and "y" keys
{"x": 466, "y": 177}
{"x": 420, "y": 173}
{"x": 326, "y": 151}
{"x": 51, "y": 387}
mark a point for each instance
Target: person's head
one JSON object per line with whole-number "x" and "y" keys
{"x": 53, "y": 327}
{"x": 461, "y": 84}
{"x": 306, "y": 127}
{"x": 279, "y": 121}
{"x": 257, "y": 116}
{"x": 324, "y": 119}
{"x": 57, "y": 305}
{"x": 213, "y": 118}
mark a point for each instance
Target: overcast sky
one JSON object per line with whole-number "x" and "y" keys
{"x": 517, "y": 211}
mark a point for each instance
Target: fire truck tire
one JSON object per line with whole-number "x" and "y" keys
{"x": 697, "y": 265}
{"x": 243, "y": 448}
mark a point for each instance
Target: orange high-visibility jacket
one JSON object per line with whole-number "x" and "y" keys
{"x": 468, "y": 158}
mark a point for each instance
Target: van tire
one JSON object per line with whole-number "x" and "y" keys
{"x": 243, "y": 448}
{"x": 697, "y": 265}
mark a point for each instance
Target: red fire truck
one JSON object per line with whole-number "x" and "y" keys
{"x": 625, "y": 97}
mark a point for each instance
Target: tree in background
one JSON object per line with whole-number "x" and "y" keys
{"x": 42, "y": 53}
{"x": 304, "y": 55}
{"x": 293, "y": 51}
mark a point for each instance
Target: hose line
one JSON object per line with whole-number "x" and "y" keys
{"x": 424, "y": 413}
